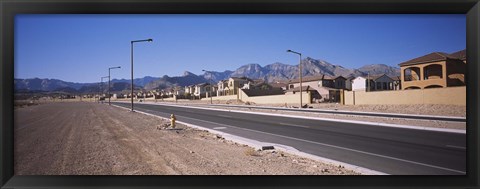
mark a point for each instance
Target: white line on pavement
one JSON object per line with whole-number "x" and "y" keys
{"x": 257, "y": 144}
{"x": 458, "y": 147}
{"x": 293, "y": 125}
{"x": 333, "y": 146}
{"x": 328, "y": 119}
{"x": 338, "y": 147}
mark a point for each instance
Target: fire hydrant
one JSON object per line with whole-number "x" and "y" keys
{"x": 172, "y": 120}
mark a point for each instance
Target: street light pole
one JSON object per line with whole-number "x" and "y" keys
{"x": 131, "y": 48}
{"x": 101, "y": 87}
{"x": 210, "y": 79}
{"x": 109, "y": 82}
{"x": 300, "y": 72}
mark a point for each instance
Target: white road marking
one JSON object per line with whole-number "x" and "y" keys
{"x": 333, "y": 146}
{"x": 338, "y": 147}
{"x": 293, "y": 125}
{"x": 458, "y": 147}
{"x": 353, "y": 167}
{"x": 218, "y": 128}
{"x": 328, "y": 119}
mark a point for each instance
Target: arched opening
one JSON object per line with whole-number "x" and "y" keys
{"x": 456, "y": 73}
{"x": 412, "y": 87}
{"x": 433, "y": 71}
{"x": 411, "y": 74}
{"x": 433, "y": 86}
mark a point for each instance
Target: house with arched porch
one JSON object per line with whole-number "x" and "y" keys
{"x": 434, "y": 70}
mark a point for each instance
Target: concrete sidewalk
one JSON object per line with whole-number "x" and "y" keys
{"x": 372, "y": 114}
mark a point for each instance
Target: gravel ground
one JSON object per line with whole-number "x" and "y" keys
{"x": 82, "y": 138}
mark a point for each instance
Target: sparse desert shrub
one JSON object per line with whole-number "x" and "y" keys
{"x": 251, "y": 152}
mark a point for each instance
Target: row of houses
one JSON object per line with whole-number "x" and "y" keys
{"x": 434, "y": 70}
{"x": 429, "y": 71}
{"x": 230, "y": 86}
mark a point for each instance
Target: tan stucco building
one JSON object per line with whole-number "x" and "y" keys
{"x": 434, "y": 70}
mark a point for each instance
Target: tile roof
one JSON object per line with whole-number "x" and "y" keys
{"x": 374, "y": 77}
{"x": 462, "y": 55}
{"x": 432, "y": 57}
{"x": 312, "y": 78}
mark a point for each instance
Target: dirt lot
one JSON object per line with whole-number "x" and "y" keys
{"x": 83, "y": 138}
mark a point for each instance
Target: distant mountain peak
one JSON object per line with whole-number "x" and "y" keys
{"x": 272, "y": 72}
{"x": 187, "y": 73}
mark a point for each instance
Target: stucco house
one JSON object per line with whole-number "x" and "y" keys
{"x": 179, "y": 91}
{"x": 349, "y": 82}
{"x": 326, "y": 86}
{"x": 222, "y": 85}
{"x": 232, "y": 85}
{"x": 253, "y": 84}
{"x": 280, "y": 85}
{"x": 373, "y": 83}
{"x": 190, "y": 89}
{"x": 201, "y": 89}
{"x": 434, "y": 70}
{"x": 397, "y": 84}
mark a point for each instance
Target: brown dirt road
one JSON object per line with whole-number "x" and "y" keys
{"x": 84, "y": 138}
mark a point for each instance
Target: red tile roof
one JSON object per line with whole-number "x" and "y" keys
{"x": 462, "y": 55}
{"x": 432, "y": 57}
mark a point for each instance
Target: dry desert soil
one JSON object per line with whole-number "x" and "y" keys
{"x": 87, "y": 138}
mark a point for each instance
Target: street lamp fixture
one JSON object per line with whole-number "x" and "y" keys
{"x": 211, "y": 86}
{"x": 131, "y": 48}
{"x": 300, "y": 73}
{"x": 109, "y": 82}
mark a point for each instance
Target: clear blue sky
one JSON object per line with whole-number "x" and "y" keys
{"x": 80, "y": 48}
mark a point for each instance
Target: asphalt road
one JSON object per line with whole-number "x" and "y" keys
{"x": 390, "y": 150}
{"x": 370, "y": 114}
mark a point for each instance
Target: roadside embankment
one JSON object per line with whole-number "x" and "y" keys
{"x": 81, "y": 138}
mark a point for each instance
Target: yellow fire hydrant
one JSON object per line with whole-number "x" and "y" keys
{"x": 172, "y": 120}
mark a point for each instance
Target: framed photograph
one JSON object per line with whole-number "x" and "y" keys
{"x": 251, "y": 94}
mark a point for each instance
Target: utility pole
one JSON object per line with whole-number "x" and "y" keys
{"x": 300, "y": 73}
{"x": 131, "y": 48}
{"x": 109, "y": 82}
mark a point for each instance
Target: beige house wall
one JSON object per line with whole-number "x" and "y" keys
{"x": 228, "y": 97}
{"x": 289, "y": 99}
{"x": 449, "y": 95}
{"x": 422, "y": 83}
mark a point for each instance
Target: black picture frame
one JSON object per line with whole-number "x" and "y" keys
{"x": 9, "y": 8}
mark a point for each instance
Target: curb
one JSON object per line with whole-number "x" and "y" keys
{"x": 459, "y": 131}
{"x": 258, "y": 145}
{"x": 358, "y": 113}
